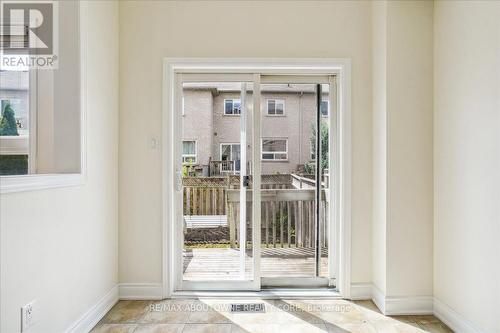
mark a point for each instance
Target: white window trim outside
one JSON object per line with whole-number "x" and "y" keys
{"x": 228, "y": 144}
{"x": 274, "y": 152}
{"x": 340, "y": 157}
{"x": 275, "y": 100}
{"x": 224, "y": 107}
{"x": 195, "y": 155}
{"x": 231, "y": 151}
{"x": 32, "y": 182}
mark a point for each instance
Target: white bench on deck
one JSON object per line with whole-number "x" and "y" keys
{"x": 204, "y": 221}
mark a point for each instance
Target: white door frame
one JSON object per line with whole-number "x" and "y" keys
{"x": 341, "y": 147}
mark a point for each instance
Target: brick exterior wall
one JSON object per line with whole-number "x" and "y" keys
{"x": 205, "y": 122}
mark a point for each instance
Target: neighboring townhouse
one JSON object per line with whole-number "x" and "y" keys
{"x": 14, "y": 88}
{"x": 14, "y": 91}
{"x": 211, "y": 125}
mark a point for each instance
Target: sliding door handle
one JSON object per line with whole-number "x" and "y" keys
{"x": 246, "y": 181}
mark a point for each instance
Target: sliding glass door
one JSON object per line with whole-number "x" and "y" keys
{"x": 214, "y": 174}
{"x": 253, "y": 189}
{"x": 294, "y": 181}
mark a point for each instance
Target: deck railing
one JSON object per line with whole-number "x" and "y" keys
{"x": 219, "y": 168}
{"x": 287, "y": 217}
{"x": 287, "y": 211}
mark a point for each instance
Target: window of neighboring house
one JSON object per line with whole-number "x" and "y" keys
{"x": 275, "y": 107}
{"x": 14, "y": 122}
{"x": 325, "y": 108}
{"x": 232, "y": 107}
{"x": 274, "y": 149}
{"x": 231, "y": 152}
{"x": 189, "y": 152}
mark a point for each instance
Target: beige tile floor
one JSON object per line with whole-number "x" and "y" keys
{"x": 289, "y": 316}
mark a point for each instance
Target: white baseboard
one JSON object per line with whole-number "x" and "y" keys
{"x": 140, "y": 291}
{"x": 409, "y": 305}
{"x": 378, "y": 298}
{"x": 90, "y": 318}
{"x": 390, "y": 305}
{"x": 454, "y": 320}
{"x": 361, "y": 291}
{"x": 413, "y": 305}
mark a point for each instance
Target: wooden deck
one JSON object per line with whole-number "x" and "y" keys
{"x": 223, "y": 264}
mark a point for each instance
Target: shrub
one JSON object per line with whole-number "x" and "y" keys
{"x": 310, "y": 167}
{"x": 8, "y": 124}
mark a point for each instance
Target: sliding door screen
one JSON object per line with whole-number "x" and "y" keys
{"x": 294, "y": 241}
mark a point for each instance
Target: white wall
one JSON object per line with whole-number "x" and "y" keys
{"x": 379, "y": 118}
{"x": 409, "y": 148}
{"x": 60, "y": 246}
{"x": 467, "y": 160}
{"x": 402, "y": 145}
{"x": 152, "y": 30}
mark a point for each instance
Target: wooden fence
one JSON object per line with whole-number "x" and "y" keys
{"x": 207, "y": 195}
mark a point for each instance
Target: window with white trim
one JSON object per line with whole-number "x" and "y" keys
{"x": 189, "y": 152}
{"x": 231, "y": 152}
{"x": 275, "y": 107}
{"x": 14, "y": 122}
{"x": 232, "y": 107}
{"x": 274, "y": 149}
{"x": 40, "y": 109}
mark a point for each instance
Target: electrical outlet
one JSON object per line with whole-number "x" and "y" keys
{"x": 28, "y": 313}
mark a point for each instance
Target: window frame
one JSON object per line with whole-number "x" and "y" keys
{"x": 339, "y": 70}
{"x": 195, "y": 155}
{"x": 275, "y": 103}
{"x": 231, "y": 150}
{"x": 224, "y": 107}
{"x": 262, "y": 151}
{"x": 33, "y": 182}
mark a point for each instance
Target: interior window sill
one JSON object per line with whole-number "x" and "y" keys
{"x": 22, "y": 183}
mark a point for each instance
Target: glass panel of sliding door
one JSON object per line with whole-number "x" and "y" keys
{"x": 294, "y": 177}
{"x": 216, "y": 175}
